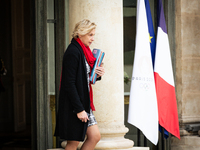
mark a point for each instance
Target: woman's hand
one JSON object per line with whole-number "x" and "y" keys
{"x": 83, "y": 116}
{"x": 99, "y": 71}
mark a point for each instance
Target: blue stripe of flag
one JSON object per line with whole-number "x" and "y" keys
{"x": 161, "y": 17}
{"x": 151, "y": 30}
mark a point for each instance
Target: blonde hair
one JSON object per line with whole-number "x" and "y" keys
{"x": 83, "y": 27}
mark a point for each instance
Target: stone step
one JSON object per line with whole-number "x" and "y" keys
{"x": 185, "y": 143}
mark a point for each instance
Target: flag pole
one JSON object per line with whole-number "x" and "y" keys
{"x": 138, "y": 135}
{"x": 145, "y": 141}
{"x": 163, "y": 137}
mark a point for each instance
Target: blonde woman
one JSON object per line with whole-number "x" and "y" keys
{"x": 75, "y": 118}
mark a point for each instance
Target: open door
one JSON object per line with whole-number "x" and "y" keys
{"x": 20, "y": 21}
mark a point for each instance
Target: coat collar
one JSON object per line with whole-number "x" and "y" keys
{"x": 73, "y": 41}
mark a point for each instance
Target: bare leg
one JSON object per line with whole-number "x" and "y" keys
{"x": 93, "y": 137}
{"x": 71, "y": 145}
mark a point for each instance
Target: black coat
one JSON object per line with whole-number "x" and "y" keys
{"x": 74, "y": 95}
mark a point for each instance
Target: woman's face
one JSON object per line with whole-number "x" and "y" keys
{"x": 88, "y": 38}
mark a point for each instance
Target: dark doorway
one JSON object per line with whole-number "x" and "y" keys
{"x": 15, "y": 51}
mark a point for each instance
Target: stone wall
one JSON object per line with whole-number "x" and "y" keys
{"x": 188, "y": 60}
{"x": 187, "y": 19}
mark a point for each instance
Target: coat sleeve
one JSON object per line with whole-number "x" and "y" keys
{"x": 71, "y": 62}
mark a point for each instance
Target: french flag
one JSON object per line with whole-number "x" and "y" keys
{"x": 164, "y": 81}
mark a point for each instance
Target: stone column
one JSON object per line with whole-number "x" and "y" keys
{"x": 187, "y": 72}
{"x": 108, "y": 93}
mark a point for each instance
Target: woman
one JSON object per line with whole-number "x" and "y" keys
{"x": 75, "y": 118}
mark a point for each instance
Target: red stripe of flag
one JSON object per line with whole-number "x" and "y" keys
{"x": 167, "y": 107}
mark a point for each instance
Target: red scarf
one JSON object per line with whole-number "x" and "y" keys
{"x": 91, "y": 60}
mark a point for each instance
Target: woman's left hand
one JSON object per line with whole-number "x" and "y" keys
{"x": 100, "y": 71}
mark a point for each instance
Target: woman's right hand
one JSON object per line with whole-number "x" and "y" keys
{"x": 83, "y": 116}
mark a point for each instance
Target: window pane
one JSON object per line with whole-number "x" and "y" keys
{"x": 129, "y": 44}
{"x": 129, "y": 16}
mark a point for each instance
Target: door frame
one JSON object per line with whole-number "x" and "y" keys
{"x": 40, "y": 99}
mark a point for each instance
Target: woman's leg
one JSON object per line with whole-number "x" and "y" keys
{"x": 72, "y": 145}
{"x": 93, "y": 137}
